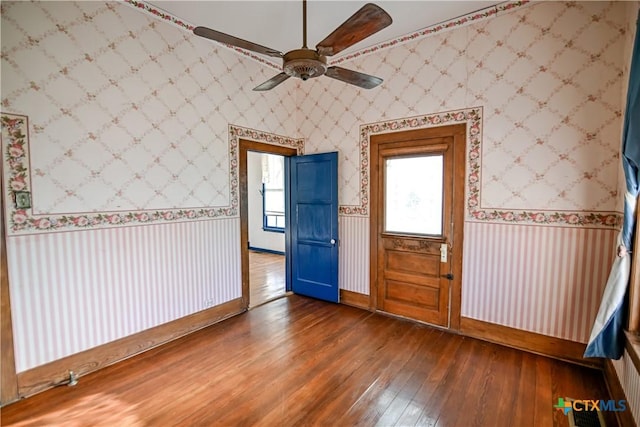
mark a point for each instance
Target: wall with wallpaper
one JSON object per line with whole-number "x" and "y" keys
{"x": 130, "y": 157}
{"x": 542, "y": 168}
{"x": 133, "y": 125}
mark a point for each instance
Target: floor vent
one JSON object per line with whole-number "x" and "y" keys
{"x": 584, "y": 418}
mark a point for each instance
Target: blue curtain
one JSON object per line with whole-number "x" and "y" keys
{"x": 607, "y": 335}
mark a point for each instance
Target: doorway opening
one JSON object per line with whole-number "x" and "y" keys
{"x": 266, "y": 220}
{"x": 416, "y": 224}
{"x": 262, "y": 221}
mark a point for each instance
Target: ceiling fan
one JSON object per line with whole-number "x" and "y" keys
{"x": 306, "y": 63}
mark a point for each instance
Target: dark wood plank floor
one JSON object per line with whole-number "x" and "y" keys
{"x": 266, "y": 277}
{"x": 299, "y": 361}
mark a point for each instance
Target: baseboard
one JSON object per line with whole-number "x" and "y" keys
{"x": 532, "y": 342}
{"x": 57, "y": 372}
{"x": 267, "y": 251}
{"x": 625, "y": 418}
{"x": 354, "y": 299}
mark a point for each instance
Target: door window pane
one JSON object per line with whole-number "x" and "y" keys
{"x": 413, "y": 195}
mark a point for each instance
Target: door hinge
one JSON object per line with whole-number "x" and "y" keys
{"x": 448, "y": 276}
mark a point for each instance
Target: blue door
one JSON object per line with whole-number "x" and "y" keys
{"x": 313, "y": 226}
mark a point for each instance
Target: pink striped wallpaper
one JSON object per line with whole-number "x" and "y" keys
{"x": 547, "y": 280}
{"x": 354, "y": 254}
{"x": 75, "y": 290}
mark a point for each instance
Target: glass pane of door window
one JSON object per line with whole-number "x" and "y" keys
{"x": 413, "y": 195}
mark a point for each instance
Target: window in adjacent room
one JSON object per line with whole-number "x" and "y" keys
{"x": 273, "y": 193}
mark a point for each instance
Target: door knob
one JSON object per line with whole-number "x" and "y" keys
{"x": 333, "y": 241}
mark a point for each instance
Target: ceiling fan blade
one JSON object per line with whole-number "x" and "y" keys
{"x": 362, "y": 80}
{"x": 272, "y": 82}
{"x": 365, "y": 22}
{"x": 208, "y": 33}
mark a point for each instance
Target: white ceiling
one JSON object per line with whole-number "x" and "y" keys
{"x": 278, "y": 24}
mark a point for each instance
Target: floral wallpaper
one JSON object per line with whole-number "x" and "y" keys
{"x": 16, "y": 156}
{"x": 122, "y": 119}
{"x": 547, "y": 79}
{"x": 489, "y": 12}
{"x": 166, "y": 17}
{"x": 166, "y": 153}
{"x": 473, "y": 119}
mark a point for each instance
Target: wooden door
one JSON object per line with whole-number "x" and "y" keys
{"x": 415, "y": 253}
{"x": 314, "y": 225}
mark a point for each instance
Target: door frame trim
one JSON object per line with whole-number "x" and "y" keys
{"x": 9, "y": 376}
{"x": 245, "y": 146}
{"x": 459, "y": 133}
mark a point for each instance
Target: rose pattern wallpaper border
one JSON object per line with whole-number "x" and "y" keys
{"x": 460, "y": 21}
{"x": 488, "y": 12}
{"x": 15, "y": 143}
{"x": 473, "y": 119}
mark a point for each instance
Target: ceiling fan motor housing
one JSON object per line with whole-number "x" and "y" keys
{"x": 304, "y": 64}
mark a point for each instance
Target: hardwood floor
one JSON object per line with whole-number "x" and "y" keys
{"x": 266, "y": 277}
{"x": 299, "y": 361}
